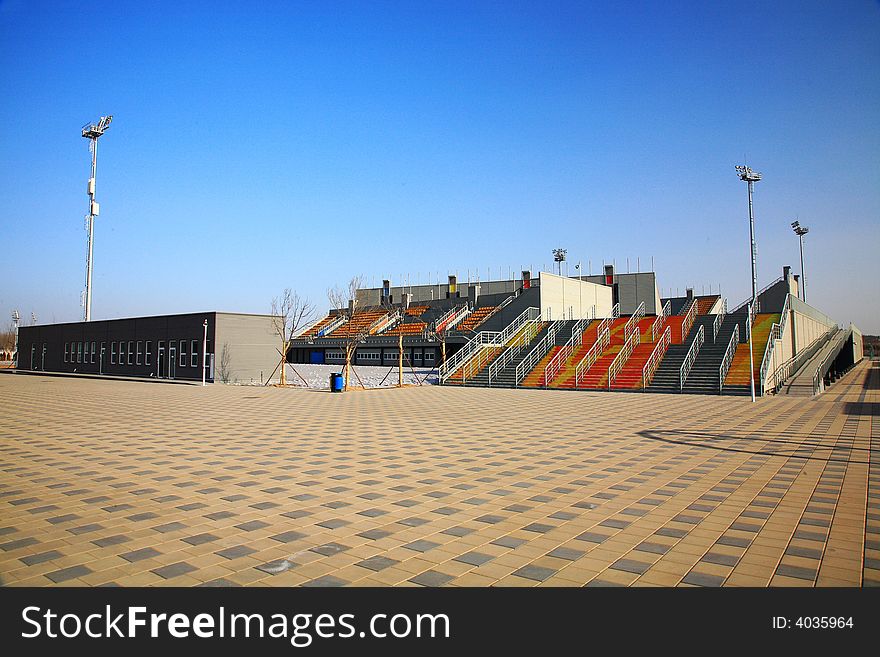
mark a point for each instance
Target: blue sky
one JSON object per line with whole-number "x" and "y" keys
{"x": 298, "y": 144}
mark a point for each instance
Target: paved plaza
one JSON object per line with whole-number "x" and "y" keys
{"x": 141, "y": 484}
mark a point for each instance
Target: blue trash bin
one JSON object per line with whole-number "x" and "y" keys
{"x": 336, "y": 382}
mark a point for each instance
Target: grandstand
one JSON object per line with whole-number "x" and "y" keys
{"x": 609, "y": 332}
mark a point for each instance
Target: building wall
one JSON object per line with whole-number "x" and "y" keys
{"x": 42, "y": 347}
{"x": 569, "y": 298}
{"x": 423, "y": 293}
{"x": 633, "y": 289}
{"x": 804, "y": 326}
{"x": 247, "y": 349}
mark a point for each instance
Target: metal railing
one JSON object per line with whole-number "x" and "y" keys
{"x": 577, "y": 336}
{"x": 522, "y": 339}
{"x": 484, "y": 339}
{"x": 332, "y": 326}
{"x": 635, "y": 337}
{"x": 760, "y": 292}
{"x": 658, "y": 324}
{"x": 450, "y": 319}
{"x": 535, "y": 355}
{"x": 308, "y": 327}
{"x": 825, "y": 366}
{"x": 793, "y": 364}
{"x": 688, "y": 320}
{"x": 692, "y": 353}
{"x": 603, "y": 339}
{"x": 385, "y": 322}
{"x": 656, "y": 357}
{"x": 632, "y": 323}
{"x": 728, "y": 358}
{"x": 719, "y": 320}
{"x": 615, "y": 311}
{"x": 776, "y": 332}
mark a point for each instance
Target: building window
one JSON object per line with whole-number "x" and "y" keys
{"x": 92, "y": 355}
{"x": 113, "y": 353}
{"x": 137, "y": 360}
{"x": 66, "y": 352}
{"x": 181, "y": 358}
{"x": 148, "y": 354}
{"x": 194, "y": 353}
{"x": 79, "y": 352}
{"x": 103, "y": 346}
{"x": 429, "y": 356}
{"x": 85, "y": 352}
{"x": 129, "y": 355}
{"x": 121, "y": 352}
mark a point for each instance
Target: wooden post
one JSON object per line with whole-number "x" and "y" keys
{"x": 400, "y": 360}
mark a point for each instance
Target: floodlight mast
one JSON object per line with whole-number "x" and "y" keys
{"x": 92, "y": 132}
{"x": 751, "y": 177}
{"x": 559, "y": 257}
{"x": 800, "y": 231}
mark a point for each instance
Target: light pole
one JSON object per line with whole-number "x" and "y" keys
{"x": 92, "y": 132}
{"x": 16, "y": 318}
{"x": 800, "y": 231}
{"x": 751, "y": 177}
{"x": 204, "y": 351}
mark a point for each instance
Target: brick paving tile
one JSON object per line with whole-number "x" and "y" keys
{"x": 690, "y": 490}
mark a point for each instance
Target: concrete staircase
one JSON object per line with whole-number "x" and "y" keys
{"x": 535, "y": 378}
{"x": 703, "y": 377}
{"x": 506, "y": 378}
{"x": 666, "y": 378}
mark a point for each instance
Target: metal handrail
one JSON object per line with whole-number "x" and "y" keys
{"x": 535, "y": 355}
{"x": 523, "y": 337}
{"x": 776, "y": 331}
{"x": 308, "y": 327}
{"x": 781, "y": 373}
{"x": 633, "y": 322}
{"x": 728, "y": 358}
{"x": 332, "y": 326}
{"x": 603, "y": 339}
{"x": 449, "y": 319}
{"x": 623, "y": 355}
{"x": 719, "y": 320}
{"x": 577, "y": 335}
{"x": 760, "y": 292}
{"x": 385, "y": 322}
{"x": 819, "y": 376}
{"x": 657, "y": 326}
{"x": 692, "y": 353}
{"x": 615, "y": 311}
{"x": 656, "y": 357}
{"x": 688, "y": 320}
{"x": 485, "y": 338}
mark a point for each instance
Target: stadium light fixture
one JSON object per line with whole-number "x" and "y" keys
{"x": 800, "y": 231}
{"x": 751, "y": 177}
{"x": 92, "y": 131}
{"x": 559, "y": 257}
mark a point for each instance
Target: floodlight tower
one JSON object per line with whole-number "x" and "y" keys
{"x": 559, "y": 257}
{"x": 751, "y": 177}
{"x": 16, "y": 318}
{"x": 92, "y": 132}
{"x": 800, "y": 231}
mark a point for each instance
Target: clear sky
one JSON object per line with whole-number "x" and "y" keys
{"x": 262, "y": 145}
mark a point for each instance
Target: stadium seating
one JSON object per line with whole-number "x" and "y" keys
{"x": 359, "y": 325}
{"x": 597, "y": 375}
{"x": 410, "y": 328}
{"x": 472, "y": 321}
{"x": 416, "y": 311}
{"x": 317, "y": 328}
{"x": 630, "y": 377}
{"x": 704, "y": 304}
{"x": 739, "y": 368}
